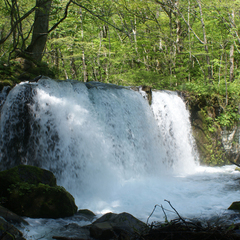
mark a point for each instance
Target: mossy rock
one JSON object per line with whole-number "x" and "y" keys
{"x": 235, "y": 206}
{"x": 41, "y": 201}
{"x": 32, "y": 192}
{"x": 26, "y": 174}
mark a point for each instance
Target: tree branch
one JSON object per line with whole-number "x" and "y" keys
{"x": 186, "y": 22}
{"x": 65, "y": 15}
{"x": 176, "y": 212}
{"x": 17, "y": 22}
{"x": 80, "y": 5}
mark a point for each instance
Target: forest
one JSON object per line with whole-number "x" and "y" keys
{"x": 190, "y": 46}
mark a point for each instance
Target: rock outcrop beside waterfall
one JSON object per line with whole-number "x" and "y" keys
{"x": 216, "y": 144}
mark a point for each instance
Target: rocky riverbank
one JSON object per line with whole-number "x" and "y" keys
{"x": 32, "y": 192}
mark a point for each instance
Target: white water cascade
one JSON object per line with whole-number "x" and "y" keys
{"x": 112, "y": 151}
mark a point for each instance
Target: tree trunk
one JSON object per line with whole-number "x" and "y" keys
{"x": 40, "y": 30}
{"x": 84, "y": 65}
{"x": 231, "y": 55}
{"x": 189, "y": 40}
{"x": 231, "y": 75}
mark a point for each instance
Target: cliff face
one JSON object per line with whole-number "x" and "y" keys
{"x": 217, "y": 145}
{"x": 231, "y": 142}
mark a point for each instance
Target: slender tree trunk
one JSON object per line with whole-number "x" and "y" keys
{"x": 134, "y": 31}
{"x": 84, "y": 66}
{"x": 63, "y": 64}
{"x": 73, "y": 68}
{"x": 231, "y": 74}
{"x": 219, "y": 70}
{"x": 231, "y": 55}
{"x": 178, "y": 28}
{"x": 189, "y": 39}
{"x": 226, "y": 85}
{"x": 98, "y": 56}
{"x": 109, "y": 55}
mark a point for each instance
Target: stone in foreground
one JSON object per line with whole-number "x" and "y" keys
{"x": 235, "y": 206}
{"x": 117, "y": 226}
{"x": 32, "y": 192}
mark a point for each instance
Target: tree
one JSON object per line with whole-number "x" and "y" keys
{"x": 40, "y": 30}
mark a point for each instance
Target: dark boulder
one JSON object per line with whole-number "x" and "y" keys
{"x": 85, "y": 214}
{"x": 32, "y": 192}
{"x": 117, "y": 226}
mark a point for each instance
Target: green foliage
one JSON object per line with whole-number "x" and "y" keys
{"x": 21, "y": 188}
{"x": 213, "y": 149}
{"x": 215, "y": 95}
{"x": 229, "y": 117}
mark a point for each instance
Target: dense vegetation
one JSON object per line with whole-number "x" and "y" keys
{"x": 191, "y": 46}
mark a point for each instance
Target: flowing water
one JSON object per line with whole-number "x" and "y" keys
{"x": 112, "y": 151}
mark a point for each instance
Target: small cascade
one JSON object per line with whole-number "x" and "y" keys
{"x": 175, "y": 129}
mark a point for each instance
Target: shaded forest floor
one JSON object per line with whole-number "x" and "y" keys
{"x": 20, "y": 69}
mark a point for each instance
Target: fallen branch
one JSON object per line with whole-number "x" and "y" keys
{"x": 152, "y": 212}
{"x": 234, "y": 163}
{"x": 175, "y": 210}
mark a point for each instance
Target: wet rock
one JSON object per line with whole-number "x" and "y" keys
{"x": 117, "y": 226}
{"x": 8, "y": 231}
{"x": 11, "y": 217}
{"x": 148, "y": 91}
{"x": 235, "y": 206}
{"x": 85, "y": 214}
{"x": 72, "y": 231}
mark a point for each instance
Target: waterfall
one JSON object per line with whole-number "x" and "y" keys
{"x": 174, "y": 124}
{"x": 100, "y": 140}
